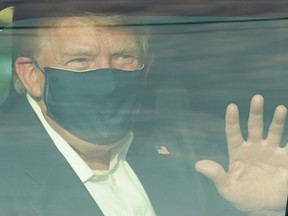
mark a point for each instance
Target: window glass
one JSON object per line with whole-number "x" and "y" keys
{"x": 199, "y": 65}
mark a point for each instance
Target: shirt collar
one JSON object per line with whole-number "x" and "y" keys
{"x": 83, "y": 171}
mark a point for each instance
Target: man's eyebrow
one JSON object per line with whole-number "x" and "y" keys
{"x": 126, "y": 49}
{"x": 79, "y": 52}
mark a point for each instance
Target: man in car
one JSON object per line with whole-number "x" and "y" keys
{"x": 67, "y": 126}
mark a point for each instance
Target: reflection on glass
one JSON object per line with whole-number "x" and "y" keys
{"x": 199, "y": 68}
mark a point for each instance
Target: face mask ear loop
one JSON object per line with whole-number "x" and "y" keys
{"x": 146, "y": 73}
{"x": 37, "y": 65}
{"x": 142, "y": 66}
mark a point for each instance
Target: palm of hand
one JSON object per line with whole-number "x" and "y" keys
{"x": 257, "y": 178}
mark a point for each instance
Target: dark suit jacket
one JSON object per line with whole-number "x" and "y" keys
{"x": 37, "y": 180}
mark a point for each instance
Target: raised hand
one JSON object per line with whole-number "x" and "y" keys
{"x": 257, "y": 178}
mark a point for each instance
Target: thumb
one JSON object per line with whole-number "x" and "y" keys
{"x": 212, "y": 170}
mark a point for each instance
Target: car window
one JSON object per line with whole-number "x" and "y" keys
{"x": 201, "y": 64}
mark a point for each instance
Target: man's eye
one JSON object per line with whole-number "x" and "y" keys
{"x": 79, "y": 64}
{"x": 79, "y": 60}
{"x": 123, "y": 58}
{"x": 126, "y": 56}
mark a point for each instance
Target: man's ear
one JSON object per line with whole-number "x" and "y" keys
{"x": 29, "y": 75}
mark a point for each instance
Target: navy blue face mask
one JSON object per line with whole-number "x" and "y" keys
{"x": 96, "y": 106}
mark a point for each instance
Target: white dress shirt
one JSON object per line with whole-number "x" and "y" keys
{"x": 117, "y": 191}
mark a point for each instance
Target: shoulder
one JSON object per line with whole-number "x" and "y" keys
{"x": 15, "y": 111}
{"x": 19, "y": 123}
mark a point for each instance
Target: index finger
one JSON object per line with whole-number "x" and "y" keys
{"x": 277, "y": 125}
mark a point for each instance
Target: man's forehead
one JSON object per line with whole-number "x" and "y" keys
{"x": 78, "y": 35}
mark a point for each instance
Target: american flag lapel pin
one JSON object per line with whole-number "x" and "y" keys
{"x": 162, "y": 150}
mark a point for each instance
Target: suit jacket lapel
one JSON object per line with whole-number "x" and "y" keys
{"x": 48, "y": 184}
